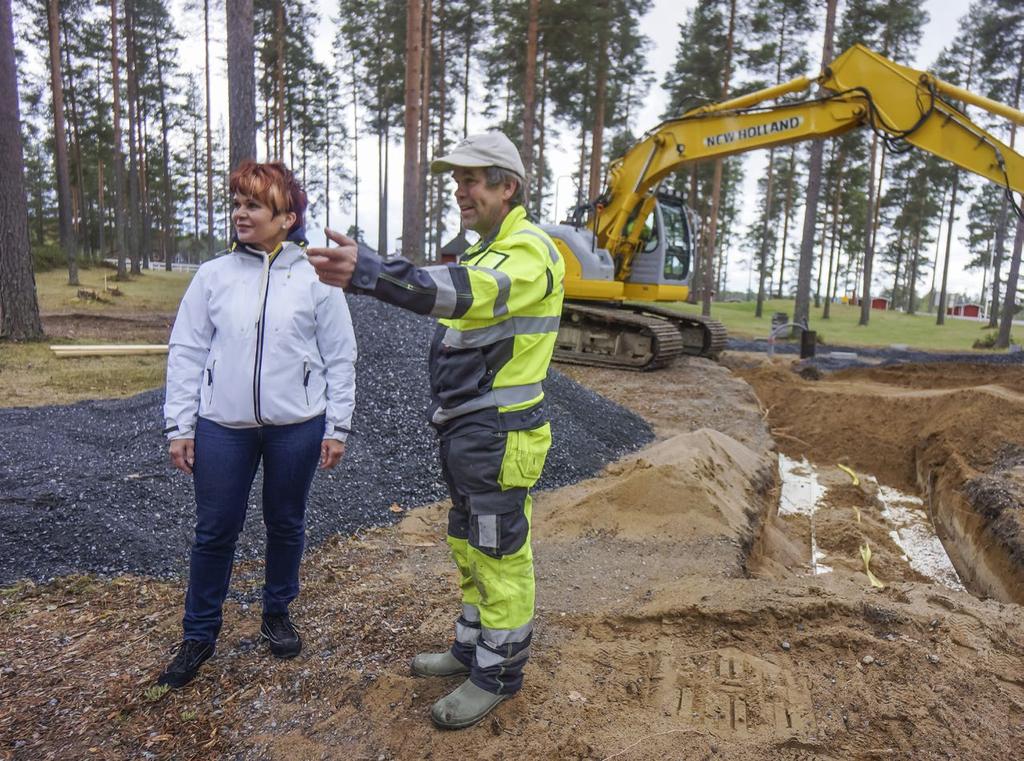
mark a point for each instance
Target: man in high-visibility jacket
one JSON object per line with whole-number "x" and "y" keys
{"x": 499, "y": 309}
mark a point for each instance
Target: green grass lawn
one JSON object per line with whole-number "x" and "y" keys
{"x": 152, "y": 291}
{"x": 31, "y": 374}
{"x": 841, "y": 329}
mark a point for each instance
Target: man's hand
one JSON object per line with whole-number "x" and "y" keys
{"x": 331, "y": 451}
{"x": 183, "y": 454}
{"x": 335, "y": 266}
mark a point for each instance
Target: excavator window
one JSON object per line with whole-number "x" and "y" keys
{"x": 677, "y": 241}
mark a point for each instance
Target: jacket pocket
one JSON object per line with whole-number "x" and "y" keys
{"x": 211, "y": 370}
{"x": 525, "y": 453}
{"x": 306, "y": 372}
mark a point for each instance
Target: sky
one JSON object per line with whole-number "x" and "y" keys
{"x": 661, "y": 24}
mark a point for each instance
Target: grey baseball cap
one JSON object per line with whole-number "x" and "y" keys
{"x": 485, "y": 149}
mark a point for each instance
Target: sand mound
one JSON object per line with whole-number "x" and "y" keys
{"x": 688, "y": 486}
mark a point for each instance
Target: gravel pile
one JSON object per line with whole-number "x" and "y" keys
{"x": 874, "y": 357}
{"x": 88, "y": 487}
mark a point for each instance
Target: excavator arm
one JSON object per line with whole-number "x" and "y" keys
{"x": 860, "y": 88}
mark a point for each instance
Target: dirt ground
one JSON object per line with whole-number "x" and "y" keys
{"x": 678, "y": 615}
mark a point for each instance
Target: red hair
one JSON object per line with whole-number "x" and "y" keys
{"x": 272, "y": 184}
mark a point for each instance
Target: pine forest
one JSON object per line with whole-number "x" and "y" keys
{"x": 116, "y": 151}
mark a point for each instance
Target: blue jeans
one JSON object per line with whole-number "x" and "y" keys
{"x": 225, "y": 466}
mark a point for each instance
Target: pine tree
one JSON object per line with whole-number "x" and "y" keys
{"x": 19, "y": 308}
{"x": 67, "y": 231}
{"x": 779, "y": 30}
{"x": 241, "y": 81}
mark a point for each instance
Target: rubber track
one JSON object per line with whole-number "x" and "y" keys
{"x": 668, "y": 342}
{"x": 666, "y": 328}
{"x": 715, "y": 334}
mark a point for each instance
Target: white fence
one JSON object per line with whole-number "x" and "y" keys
{"x": 175, "y": 266}
{"x": 156, "y": 265}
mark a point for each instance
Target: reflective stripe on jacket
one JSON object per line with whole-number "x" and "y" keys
{"x": 260, "y": 341}
{"x": 499, "y": 309}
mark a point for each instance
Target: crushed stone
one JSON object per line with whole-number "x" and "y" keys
{"x": 88, "y": 487}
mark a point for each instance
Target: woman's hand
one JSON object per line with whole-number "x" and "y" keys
{"x": 183, "y": 454}
{"x": 331, "y": 451}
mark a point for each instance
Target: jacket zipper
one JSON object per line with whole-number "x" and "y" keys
{"x": 305, "y": 378}
{"x": 258, "y": 363}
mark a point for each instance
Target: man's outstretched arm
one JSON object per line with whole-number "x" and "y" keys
{"x": 450, "y": 291}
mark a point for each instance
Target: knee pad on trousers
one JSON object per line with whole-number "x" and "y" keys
{"x": 499, "y": 535}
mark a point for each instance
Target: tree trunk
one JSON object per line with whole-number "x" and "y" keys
{"x": 763, "y": 254}
{"x": 66, "y": 222}
{"x": 465, "y": 77}
{"x": 81, "y": 207}
{"x": 355, "y": 143}
{"x": 119, "y": 181}
{"x": 145, "y": 228}
{"x": 19, "y": 308}
{"x": 997, "y": 259}
{"x": 894, "y": 300}
{"x": 423, "y": 214}
{"x": 412, "y": 230}
{"x": 821, "y": 263}
{"x": 594, "y": 187}
{"x": 716, "y": 182}
{"x": 442, "y": 112}
{"x": 941, "y": 318}
{"x": 801, "y": 309}
{"x": 912, "y": 279}
{"x": 984, "y": 275}
{"x": 209, "y": 133}
{"x": 541, "y": 170}
{"x": 785, "y": 220}
{"x": 241, "y": 82}
{"x": 1004, "y": 208}
{"x": 134, "y": 204}
{"x": 1010, "y": 298}
{"x": 382, "y": 170}
{"x": 167, "y": 238}
{"x": 530, "y": 91}
{"x": 837, "y": 201}
{"x": 279, "y": 80}
{"x": 878, "y": 198}
{"x": 101, "y": 211}
{"x": 869, "y": 228}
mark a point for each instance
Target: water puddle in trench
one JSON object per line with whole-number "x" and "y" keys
{"x": 910, "y": 527}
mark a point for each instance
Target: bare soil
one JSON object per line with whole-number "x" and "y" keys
{"x": 153, "y": 327}
{"x": 676, "y": 617}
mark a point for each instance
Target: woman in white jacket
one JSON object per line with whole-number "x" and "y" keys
{"x": 261, "y": 368}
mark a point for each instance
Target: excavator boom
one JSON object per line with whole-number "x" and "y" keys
{"x": 863, "y": 88}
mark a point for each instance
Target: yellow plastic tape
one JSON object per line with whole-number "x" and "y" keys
{"x": 850, "y": 473}
{"x": 865, "y": 553}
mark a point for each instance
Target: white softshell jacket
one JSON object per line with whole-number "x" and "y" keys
{"x": 260, "y": 342}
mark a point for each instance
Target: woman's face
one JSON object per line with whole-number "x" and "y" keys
{"x": 257, "y": 225}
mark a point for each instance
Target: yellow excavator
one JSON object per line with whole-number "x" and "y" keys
{"x": 637, "y": 247}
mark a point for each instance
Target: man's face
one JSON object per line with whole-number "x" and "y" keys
{"x": 482, "y": 208}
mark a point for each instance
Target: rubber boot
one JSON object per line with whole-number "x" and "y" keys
{"x": 438, "y": 664}
{"x": 464, "y": 707}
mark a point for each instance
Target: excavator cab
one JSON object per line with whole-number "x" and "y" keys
{"x": 666, "y": 245}
{"x": 660, "y": 269}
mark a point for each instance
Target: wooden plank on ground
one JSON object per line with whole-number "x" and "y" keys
{"x": 106, "y": 350}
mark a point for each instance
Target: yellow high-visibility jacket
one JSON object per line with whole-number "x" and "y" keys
{"x": 499, "y": 310}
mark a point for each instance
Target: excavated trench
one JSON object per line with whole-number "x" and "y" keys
{"x": 951, "y": 435}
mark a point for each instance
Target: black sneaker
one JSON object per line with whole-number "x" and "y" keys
{"x": 285, "y": 642}
{"x": 190, "y": 656}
